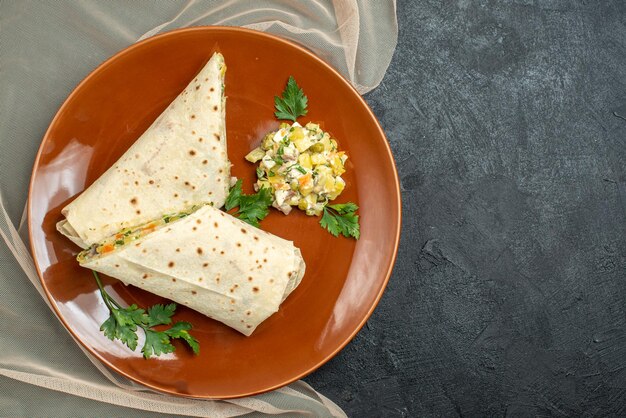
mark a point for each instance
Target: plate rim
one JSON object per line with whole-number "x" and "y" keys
{"x": 129, "y": 49}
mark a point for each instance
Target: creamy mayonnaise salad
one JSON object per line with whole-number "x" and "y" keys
{"x": 301, "y": 165}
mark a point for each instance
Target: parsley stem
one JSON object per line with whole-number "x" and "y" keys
{"x": 108, "y": 300}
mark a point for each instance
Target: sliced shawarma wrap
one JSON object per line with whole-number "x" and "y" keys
{"x": 179, "y": 161}
{"x": 207, "y": 260}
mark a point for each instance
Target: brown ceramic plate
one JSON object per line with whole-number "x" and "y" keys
{"x": 345, "y": 278}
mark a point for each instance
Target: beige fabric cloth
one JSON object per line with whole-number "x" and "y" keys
{"x": 46, "y": 48}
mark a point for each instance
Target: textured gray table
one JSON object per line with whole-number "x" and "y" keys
{"x": 509, "y": 293}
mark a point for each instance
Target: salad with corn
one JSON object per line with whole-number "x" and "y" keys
{"x": 301, "y": 166}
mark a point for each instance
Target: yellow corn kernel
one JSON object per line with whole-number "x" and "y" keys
{"x": 305, "y": 160}
{"x": 255, "y": 155}
{"x": 317, "y": 159}
{"x": 302, "y": 204}
{"x": 276, "y": 179}
{"x": 339, "y": 186}
{"x": 337, "y": 165}
{"x": 296, "y": 135}
{"x": 268, "y": 141}
{"x": 329, "y": 184}
{"x": 325, "y": 141}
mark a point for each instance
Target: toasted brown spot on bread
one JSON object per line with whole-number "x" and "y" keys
{"x": 215, "y": 108}
{"x": 145, "y": 276}
{"x": 193, "y": 132}
{"x": 117, "y": 265}
{"x": 244, "y": 231}
{"x": 200, "y": 139}
{"x": 198, "y": 87}
{"x": 255, "y": 289}
{"x": 205, "y": 264}
{"x": 192, "y": 152}
{"x": 212, "y": 89}
{"x": 238, "y": 244}
{"x": 170, "y": 264}
{"x": 289, "y": 274}
{"x": 199, "y": 250}
{"x": 194, "y": 228}
{"x": 248, "y": 313}
{"x": 133, "y": 201}
{"x": 136, "y": 183}
{"x": 217, "y": 136}
{"x": 271, "y": 280}
{"x": 173, "y": 279}
{"x": 248, "y": 326}
{"x": 151, "y": 181}
{"x": 220, "y": 171}
{"x": 222, "y": 252}
{"x": 193, "y": 116}
{"x": 215, "y": 224}
{"x": 205, "y": 162}
{"x": 175, "y": 194}
{"x": 250, "y": 278}
{"x": 138, "y": 212}
{"x": 256, "y": 238}
{"x": 177, "y": 250}
{"x": 193, "y": 292}
{"x": 198, "y": 221}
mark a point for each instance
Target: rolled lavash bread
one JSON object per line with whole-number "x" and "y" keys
{"x": 211, "y": 262}
{"x": 179, "y": 161}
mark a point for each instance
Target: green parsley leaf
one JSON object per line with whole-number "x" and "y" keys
{"x": 252, "y": 208}
{"x": 161, "y": 315}
{"x": 293, "y": 102}
{"x": 341, "y": 219}
{"x": 181, "y": 330}
{"x": 109, "y": 328}
{"x": 234, "y": 195}
{"x": 259, "y": 172}
{"x": 157, "y": 343}
{"x": 127, "y": 335}
{"x": 344, "y": 208}
{"x": 119, "y": 242}
{"x": 122, "y": 325}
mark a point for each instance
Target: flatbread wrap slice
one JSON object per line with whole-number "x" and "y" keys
{"x": 206, "y": 260}
{"x": 179, "y": 161}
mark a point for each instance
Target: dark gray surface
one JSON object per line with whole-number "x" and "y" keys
{"x": 509, "y": 292}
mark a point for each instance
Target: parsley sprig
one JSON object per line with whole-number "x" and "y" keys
{"x": 292, "y": 104}
{"x": 341, "y": 219}
{"x": 252, "y": 208}
{"x": 123, "y": 322}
